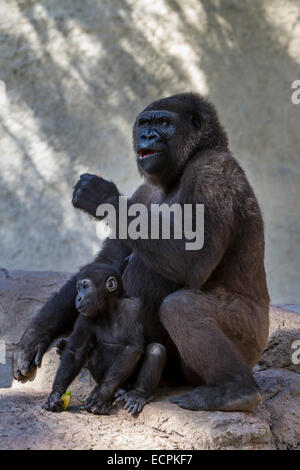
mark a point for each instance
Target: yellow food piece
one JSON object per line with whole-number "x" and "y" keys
{"x": 66, "y": 398}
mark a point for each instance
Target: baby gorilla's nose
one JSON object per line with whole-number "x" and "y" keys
{"x": 79, "y": 301}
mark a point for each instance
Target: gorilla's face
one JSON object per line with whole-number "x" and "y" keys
{"x": 94, "y": 291}
{"x": 170, "y": 131}
{"x": 155, "y": 131}
{"x": 86, "y": 300}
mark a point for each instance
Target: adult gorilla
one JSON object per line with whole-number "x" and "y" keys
{"x": 209, "y": 307}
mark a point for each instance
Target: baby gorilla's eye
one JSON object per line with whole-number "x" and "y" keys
{"x": 84, "y": 284}
{"x": 111, "y": 284}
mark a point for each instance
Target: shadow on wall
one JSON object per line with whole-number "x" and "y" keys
{"x": 77, "y": 74}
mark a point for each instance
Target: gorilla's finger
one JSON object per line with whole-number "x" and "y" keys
{"x": 87, "y": 403}
{"x": 175, "y": 400}
{"x": 38, "y": 358}
{"x": 77, "y": 185}
{"x": 95, "y": 410}
{"x": 80, "y": 201}
{"x": 119, "y": 399}
{"x": 127, "y": 404}
{"x": 130, "y": 405}
{"x": 18, "y": 375}
{"x": 140, "y": 407}
{"x": 105, "y": 409}
{"x": 134, "y": 409}
{"x": 87, "y": 176}
{"x": 41, "y": 349}
{"x": 130, "y": 409}
{"x": 119, "y": 392}
{"x": 181, "y": 401}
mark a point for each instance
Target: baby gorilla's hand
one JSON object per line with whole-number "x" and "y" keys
{"x": 54, "y": 402}
{"x": 61, "y": 346}
{"x": 135, "y": 400}
{"x": 96, "y": 404}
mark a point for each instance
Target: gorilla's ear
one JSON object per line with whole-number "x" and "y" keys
{"x": 196, "y": 122}
{"x": 111, "y": 284}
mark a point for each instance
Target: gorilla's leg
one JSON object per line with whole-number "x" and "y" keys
{"x": 208, "y": 354}
{"x": 147, "y": 381}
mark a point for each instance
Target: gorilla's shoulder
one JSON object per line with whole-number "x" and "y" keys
{"x": 213, "y": 169}
{"x": 212, "y": 163}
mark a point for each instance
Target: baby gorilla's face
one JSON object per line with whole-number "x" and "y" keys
{"x": 91, "y": 297}
{"x": 86, "y": 299}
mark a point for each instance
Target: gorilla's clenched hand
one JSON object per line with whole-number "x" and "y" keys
{"x": 29, "y": 353}
{"x": 91, "y": 191}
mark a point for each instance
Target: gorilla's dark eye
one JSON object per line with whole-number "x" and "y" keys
{"x": 196, "y": 122}
{"x": 111, "y": 284}
{"x": 163, "y": 122}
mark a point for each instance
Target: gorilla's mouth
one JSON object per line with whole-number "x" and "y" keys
{"x": 83, "y": 308}
{"x": 144, "y": 153}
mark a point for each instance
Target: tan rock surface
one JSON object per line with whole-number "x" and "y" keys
{"x": 161, "y": 425}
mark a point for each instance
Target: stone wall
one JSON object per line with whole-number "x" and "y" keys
{"x": 77, "y": 73}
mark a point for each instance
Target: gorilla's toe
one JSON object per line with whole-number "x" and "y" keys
{"x": 184, "y": 401}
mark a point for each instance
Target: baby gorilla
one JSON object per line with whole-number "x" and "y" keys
{"x": 109, "y": 335}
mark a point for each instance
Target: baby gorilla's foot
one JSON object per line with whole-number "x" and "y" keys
{"x": 97, "y": 405}
{"x": 135, "y": 400}
{"x": 54, "y": 402}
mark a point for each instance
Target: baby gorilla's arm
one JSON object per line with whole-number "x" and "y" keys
{"x": 72, "y": 361}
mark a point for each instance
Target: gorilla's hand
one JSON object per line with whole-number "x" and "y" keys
{"x": 28, "y": 355}
{"x": 97, "y": 404}
{"x": 91, "y": 191}
{"x": 54, "y": 403}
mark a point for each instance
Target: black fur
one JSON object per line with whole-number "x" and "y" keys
{"x": 109, "y": 335}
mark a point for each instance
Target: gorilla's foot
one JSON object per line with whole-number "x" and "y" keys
{"x": 134, "y": 400}
{"x": 226, "y": 398}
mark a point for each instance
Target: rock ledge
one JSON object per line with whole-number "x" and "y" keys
{"x": 275, "y": 424}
